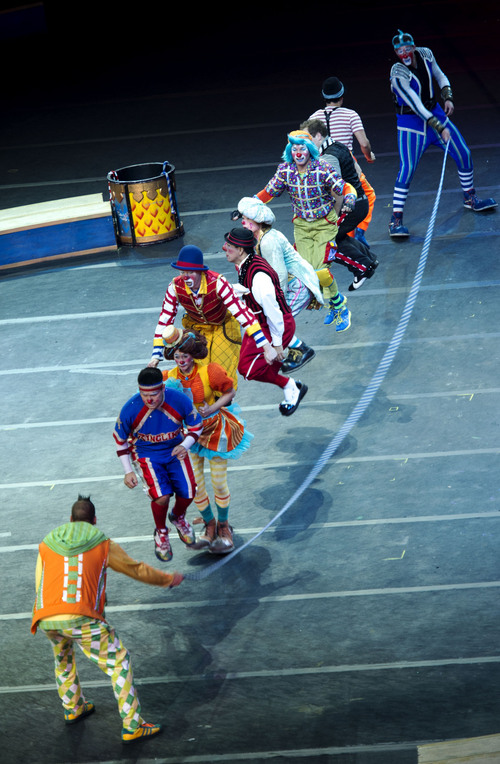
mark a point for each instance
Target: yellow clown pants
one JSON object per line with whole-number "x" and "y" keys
{"x": 224, "y": 343}
{"x": 313, "y": 239}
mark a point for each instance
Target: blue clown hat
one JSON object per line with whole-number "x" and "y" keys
{"x": 190, "y": 258}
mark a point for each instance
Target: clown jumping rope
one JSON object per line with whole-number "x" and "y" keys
{"x": 311, "y": 184}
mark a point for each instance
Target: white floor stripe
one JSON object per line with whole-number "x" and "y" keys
{"x": 139, "y": 363}
{"x": 306, "y": 754}
{"x": 266, "y": 466}
{"x": 156, "y": 309}
{"x": 312, "y": 526}
{"x": 263, "y": 407}
{"x": 220, "y": 675}
{"x": 282, "y": 598}
{"x": 229, "y": 129}
{"x": 135, "y": 364}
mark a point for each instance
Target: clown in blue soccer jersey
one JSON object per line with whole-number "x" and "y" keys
{"x": 422, "y": 122}
{"x": 154, "y": 431}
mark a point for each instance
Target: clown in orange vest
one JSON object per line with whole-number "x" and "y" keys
{"x": 69, "y": 609}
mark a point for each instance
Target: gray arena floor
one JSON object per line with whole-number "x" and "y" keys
{"x": 363, "y": 622}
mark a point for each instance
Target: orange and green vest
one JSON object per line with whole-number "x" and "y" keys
{"x": 73, "y": 577}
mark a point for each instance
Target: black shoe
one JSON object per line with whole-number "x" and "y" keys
{"x": 360, "y": 279}
{"x": 296, "y": 358}
{"x": 287, "y": 409}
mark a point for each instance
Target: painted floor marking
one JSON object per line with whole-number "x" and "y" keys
{"x": 495, "y": 514}
{"x": 156, "y": 309}
{"x": 276, "y": 673}
{"x": 266, "y": 466}
{"x": 264, "y": 407}
{"x": 282, "y": 598}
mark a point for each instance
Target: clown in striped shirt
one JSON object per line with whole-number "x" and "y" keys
{"x": 213, "y": 308}
{"x": 343, "y": 125}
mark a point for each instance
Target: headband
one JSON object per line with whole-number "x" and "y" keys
{"x": 151, "y": 388}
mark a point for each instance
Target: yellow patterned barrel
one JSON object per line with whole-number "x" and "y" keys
{"x": 144, "y": 203}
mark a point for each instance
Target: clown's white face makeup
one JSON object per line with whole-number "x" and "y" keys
{"x": 250, "y": 224}
{"x": 406, "y": 54}
{"x": 192, "y": 279}
{"x": 300, "y": 154}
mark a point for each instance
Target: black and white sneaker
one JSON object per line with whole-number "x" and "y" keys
{"x": 359, "y": 279}
{"x": 287, "y": 409}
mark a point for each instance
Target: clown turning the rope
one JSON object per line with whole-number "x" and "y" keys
{"x": 422, "y": 122}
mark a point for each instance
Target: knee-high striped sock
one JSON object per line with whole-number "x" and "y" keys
{"x": 399, "y": 199}
{"x": 218, "y": 474}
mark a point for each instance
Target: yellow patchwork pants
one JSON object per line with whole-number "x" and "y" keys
{"x": 100, "y": 644}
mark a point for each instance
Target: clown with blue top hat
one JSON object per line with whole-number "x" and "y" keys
{"x": 212, "y": 307}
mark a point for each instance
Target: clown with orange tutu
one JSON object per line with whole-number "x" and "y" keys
{"x": 224, "y": 435}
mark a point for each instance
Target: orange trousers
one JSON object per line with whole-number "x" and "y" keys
{"x": 370, "y": 195}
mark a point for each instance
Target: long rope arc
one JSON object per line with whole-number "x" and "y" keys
{"x": 366, "y": 398}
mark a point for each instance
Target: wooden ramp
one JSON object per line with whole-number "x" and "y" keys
{"x": 82, "y": 225}
{"x": 473, "y": 750}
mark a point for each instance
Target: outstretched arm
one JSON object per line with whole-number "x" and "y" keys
{"x": 120, "y": 561}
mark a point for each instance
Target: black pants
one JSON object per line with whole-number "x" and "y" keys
{"x": 353, "y": 219}
{"x": 353, "y": 254}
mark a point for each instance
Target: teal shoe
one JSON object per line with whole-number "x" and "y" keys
{"x": 343, "y": 318}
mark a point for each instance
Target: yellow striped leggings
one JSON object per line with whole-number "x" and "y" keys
{"x": 101, "y": 645}
{"x": 218, "y": 475}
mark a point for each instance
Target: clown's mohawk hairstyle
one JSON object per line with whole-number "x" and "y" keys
{"x": 297, "y": 137}
{"x": 402, "y": 38}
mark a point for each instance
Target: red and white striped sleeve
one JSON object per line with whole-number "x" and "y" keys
{"x": 167, "y": 316}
